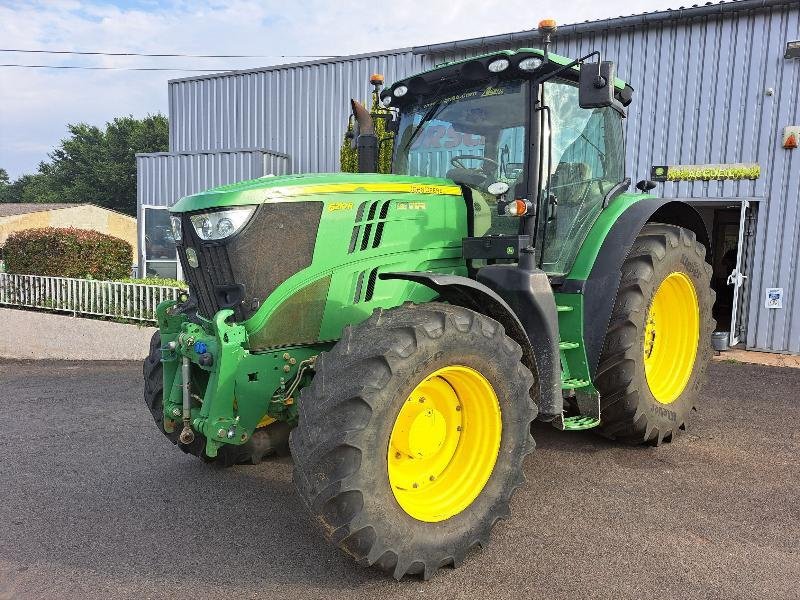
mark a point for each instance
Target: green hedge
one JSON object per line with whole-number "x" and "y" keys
{"x": 156, "y": 281}
{"x": 68, "y": 252}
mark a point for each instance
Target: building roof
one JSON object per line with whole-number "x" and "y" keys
{"x": 709, "y": 9}
{"x": 24, "y": 208}
{"x": 723, "y": 7}
{"x": 293, "y": 65}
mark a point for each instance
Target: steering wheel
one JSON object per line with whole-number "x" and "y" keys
{"x": 458, "y": 161}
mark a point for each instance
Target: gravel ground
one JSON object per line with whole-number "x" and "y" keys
{"x": 92, "y": 497}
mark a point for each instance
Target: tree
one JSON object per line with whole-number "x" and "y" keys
{"x": 93, "y": 165}
{"x": 8, "y": 193}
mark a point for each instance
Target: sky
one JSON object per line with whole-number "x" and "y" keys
{"x": 37, "y": 104}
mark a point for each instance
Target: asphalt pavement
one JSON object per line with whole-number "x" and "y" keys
{"x": 96, "y": 503}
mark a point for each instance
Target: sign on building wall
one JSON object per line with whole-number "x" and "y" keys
{"x": 774, "y": 298}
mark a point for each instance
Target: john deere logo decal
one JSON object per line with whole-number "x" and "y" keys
{"x": 493, "y": 91}
{"x": 431, "y": 189}
{"x": 734, "y": 171}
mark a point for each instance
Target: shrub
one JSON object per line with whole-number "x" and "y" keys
{"x": 156, "y": 281}
{"x": 68, "y": 253}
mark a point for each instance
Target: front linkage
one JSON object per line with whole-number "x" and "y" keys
{"x": 217, "y": 387}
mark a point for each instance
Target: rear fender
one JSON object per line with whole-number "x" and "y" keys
{"x": 537, "y": 346}
{"x": 601, "y": 284}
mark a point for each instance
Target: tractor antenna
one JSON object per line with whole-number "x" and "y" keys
{"x": 547, "y": 27}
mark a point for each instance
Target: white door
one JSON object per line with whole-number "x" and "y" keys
{"x": 736, "y": 278}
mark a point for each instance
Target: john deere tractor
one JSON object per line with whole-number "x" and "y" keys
{"x": 399, "y": 333}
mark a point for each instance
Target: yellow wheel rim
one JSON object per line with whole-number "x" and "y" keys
{"x": 671, "y": 336}
{"x": 444, "y": 443}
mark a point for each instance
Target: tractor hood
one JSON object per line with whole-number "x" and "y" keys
{"x": 294, "y": 187}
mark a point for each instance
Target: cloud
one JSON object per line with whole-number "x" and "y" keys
{"x": 37, "y": 104}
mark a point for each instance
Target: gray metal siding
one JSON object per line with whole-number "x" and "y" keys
{"x": 300, "y": 110}
{"x": 164, "y": 178}
{"x": 700, "y": 98}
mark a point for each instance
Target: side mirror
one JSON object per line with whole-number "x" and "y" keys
{"x": 645, "y": 185}
{"x": 596, "y": 85}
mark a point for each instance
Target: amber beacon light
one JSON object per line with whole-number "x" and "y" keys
{"x": 547, "y": 26}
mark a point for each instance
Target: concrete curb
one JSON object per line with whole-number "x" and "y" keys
{"x": 769, "y": 359}
{"x": 28, "y": 334}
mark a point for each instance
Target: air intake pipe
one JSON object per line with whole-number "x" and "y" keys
{"x": 365, "y": 139}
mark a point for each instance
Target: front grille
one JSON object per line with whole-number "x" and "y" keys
{"x": 278, "y": 242}
{"x": 214, "y": 269}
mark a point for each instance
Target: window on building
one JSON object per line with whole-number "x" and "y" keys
{"x": 160, "y": 257}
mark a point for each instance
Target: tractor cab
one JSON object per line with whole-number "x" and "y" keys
{"x": 535, "y": 139}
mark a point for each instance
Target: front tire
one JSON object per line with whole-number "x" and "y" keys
{"x": 658, "y": 343}
{"x": 412, "y": 435}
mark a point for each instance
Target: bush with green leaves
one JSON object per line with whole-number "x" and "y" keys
{"x": 160, "y": 281}
{"x": 68, "y": 252}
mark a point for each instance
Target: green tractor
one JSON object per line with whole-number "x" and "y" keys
{"x": 399, "y": 333}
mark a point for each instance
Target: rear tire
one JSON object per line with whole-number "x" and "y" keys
{"x": 636, "y": 409}
{"x": 351, "y": 410}
{"x": 272, "y": 439}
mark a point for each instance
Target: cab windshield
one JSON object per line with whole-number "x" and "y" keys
{"x": 475, "y": 137}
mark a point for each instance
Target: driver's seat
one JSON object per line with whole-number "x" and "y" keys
{"x": 570, "y": 182}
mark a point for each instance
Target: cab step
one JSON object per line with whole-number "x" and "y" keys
{"x": 568, "y": 345}
{"x": 574, "y": 384}
{"x": 562, "y": 308}
{"x": 580, "y": 422}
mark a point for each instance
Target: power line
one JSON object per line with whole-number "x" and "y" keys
{"x": 88, "y": 53}
{"x": 116, "y": 68}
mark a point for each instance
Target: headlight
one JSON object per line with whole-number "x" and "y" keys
{"x": 400, "y": 91}
{"x": 499, "y": 65}
{"x": 386, "y": 100}
{"x": 177, "y": 231}
{"x": 530, "y": 64}
{"x": 221, "y": 223}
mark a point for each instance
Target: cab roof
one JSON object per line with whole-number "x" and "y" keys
{"x": 475, "y": 69}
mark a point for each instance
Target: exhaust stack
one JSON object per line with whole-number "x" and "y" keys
{"x": 366, "y": 141}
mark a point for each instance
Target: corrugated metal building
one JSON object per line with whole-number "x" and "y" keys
{"x": 712, "y": 86}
